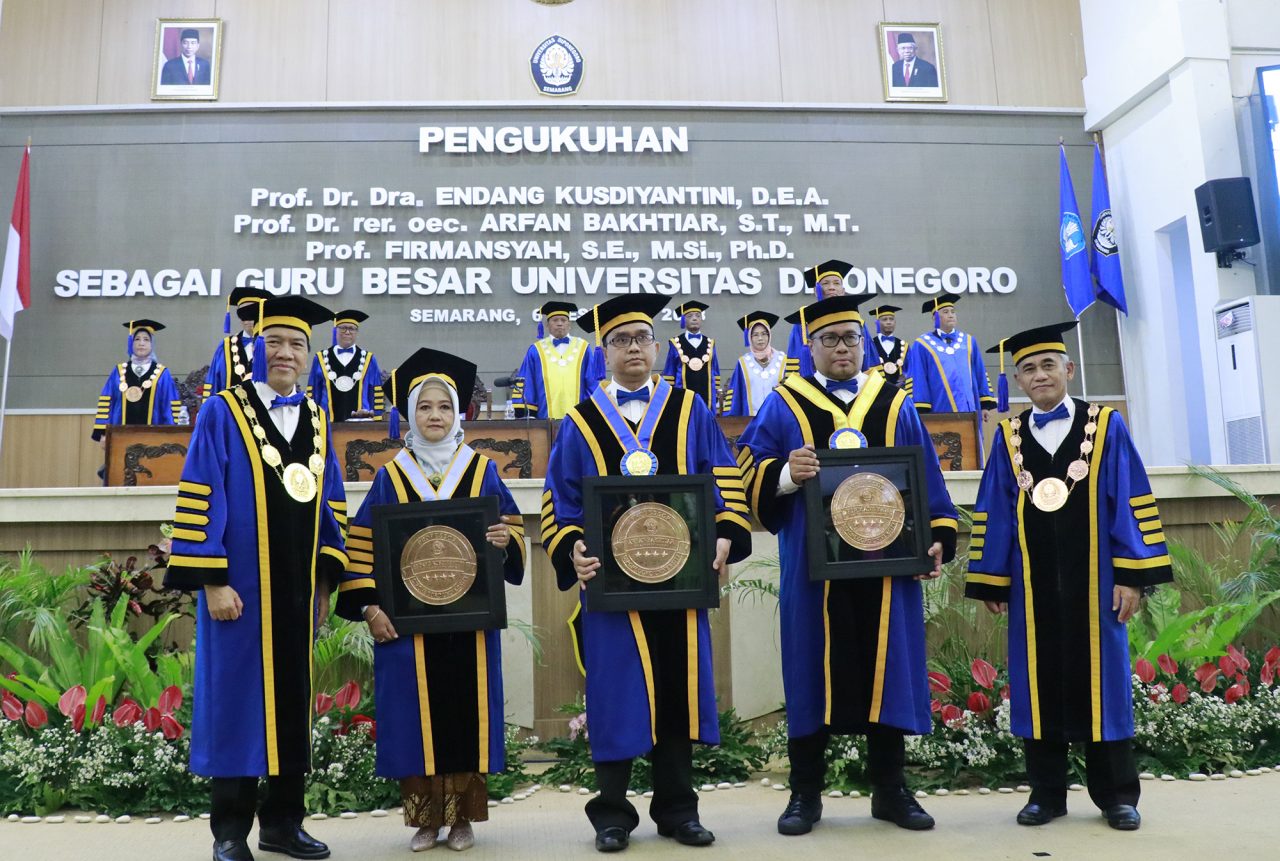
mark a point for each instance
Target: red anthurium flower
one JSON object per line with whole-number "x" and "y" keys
{"x": 1227, "y": 665}
{"x": 365, "y": 720}
{"x": 1244, "y": 684}
{"x": 1004, "y": 692}
{"x": 36, "y": 715}
{"x": 11, "y": 706}
{"x": 1145, "y": 670}
{"x": 1179, "y": 693}
{"x": 983, "y": 673}
{"x": 1233, "y": 693}
{"x": 151, "y": 719}
{"x": 1167, "y": 664}
{"x": 99, "y": 709}
{"x": 170, "y": 727}
{"x": 77, "y": 718}
{"x": 170, "y": 700}
{"x": 1207, "y": 676}
{"x": 934, "y": 706}
{"x": 978, "y": 702}
{"x": 1238, "y": 657}
{"x": 324, "y": 702}
{"x": 1267, "y": 674}
{"x": 348, "y": 696}
{"x": 70, "y": 699}
{"x": 939, "y": 683}
{"x": 128, "y": 712}
{"x": 952, "y": 716}
{"x": 1272, "y": 656}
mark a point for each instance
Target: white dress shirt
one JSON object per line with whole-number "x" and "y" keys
{"x": 694, "y": 340}
{"x": 284, "y": 418}
{"x": 139, "y": 370}
{"x": 632, "y": 411}
{"x": 844, "y": 396}
{"x": 886, "y": 344}
{"x": 1051, "y": 435}
{"x": 345, "y": 359}
{"x": 247, "y": 340}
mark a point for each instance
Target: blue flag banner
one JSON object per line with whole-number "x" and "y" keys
{"x": 1105, "y": 262}
{"x": 1073, "y": 242}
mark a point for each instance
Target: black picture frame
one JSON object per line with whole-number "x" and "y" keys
{"x": 483, "y": 607}
{"x": 830, "y": 557}
{"x": 695, "y": 586}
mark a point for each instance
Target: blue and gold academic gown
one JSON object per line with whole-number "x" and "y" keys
{"x": 896, "y": 355}
{"x": 947, "y": 375}
{"x": 160, "y": 404}
{"x": 705, "y": 382}
{"x": 853, "y": 651}
{"x": 751, "y": 383}
{"x": 800, "y": 360}
{"x": 229, "y": 366}
{"x": 236, "y": 526}
{"x": 551, "y": 382}
{"x": 440, "y": 704}
{"x": 360, "y": 377}
{"x": 649, "y": 670}
{"x": 1069, "y": 671}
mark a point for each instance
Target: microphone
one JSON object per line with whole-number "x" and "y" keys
{"x": 506, "y": 382}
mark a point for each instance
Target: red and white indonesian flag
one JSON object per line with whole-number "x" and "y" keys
{"x": 15, "y": 285}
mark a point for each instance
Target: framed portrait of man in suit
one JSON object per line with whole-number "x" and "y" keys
{"x": 187, "y": 60}
{"x": 911, "y": 62}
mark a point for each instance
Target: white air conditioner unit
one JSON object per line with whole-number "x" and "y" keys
{"x": 1248, "y": 340}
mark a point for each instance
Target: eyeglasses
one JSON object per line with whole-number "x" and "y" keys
{"x": 831, "y": 339}
{"x": 622, "y": 342}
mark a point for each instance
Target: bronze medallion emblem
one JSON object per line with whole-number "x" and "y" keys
{"x": 133, "y": 394}
{"x": 695, "y": 364}
{"x": 890, "y": 367}
{"x": 299, "y": 483}
{"x": 438, "y": 565}
{"x": 867, "y": 511}
{"x": 1077, "y": 470}
{"x": 651, "y": 542}
{"x": 1050, "y": 494}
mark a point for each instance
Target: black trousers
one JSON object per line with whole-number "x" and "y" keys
{"x": 1111, "y": 773}
{"x": 886, "y": 757}
{"x": 674, "y": 800}
{"x": 235, "y": 800}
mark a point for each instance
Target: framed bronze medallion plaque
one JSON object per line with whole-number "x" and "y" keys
{"x": 656, "y": 539}
{"x": 433, "y": 568}
{"x": 868, "y": 514}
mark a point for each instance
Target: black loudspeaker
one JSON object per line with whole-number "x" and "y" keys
{"x": 1227, "y": 217}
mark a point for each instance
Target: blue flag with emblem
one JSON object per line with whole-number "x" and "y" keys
{"x": 1072, "y": 242}
{"x": 1105, "y": 253}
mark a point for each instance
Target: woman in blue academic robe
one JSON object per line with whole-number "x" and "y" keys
{"x": 440, "y": 705}
{"x": 760, "y": 368}
{"x": 139, "y": 390}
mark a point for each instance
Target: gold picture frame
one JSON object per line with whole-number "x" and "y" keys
{"x": 172, "y": 79}
{"x": 928, "y": 71}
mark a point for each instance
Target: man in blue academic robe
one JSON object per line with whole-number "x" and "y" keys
{"x": 853, "y": 651}
{"x": 345, "y": 379}
{"x": 692, "y": 362}
{"x": 650, "y": 688}
{"x": 944, "y": 368}
{"x": 258, "y": 535}
{"x": 825, "y": 280}
{"x": 232, "y": 360}
{"x": 558, "y": 370}
{"x": 1066, "y": 535}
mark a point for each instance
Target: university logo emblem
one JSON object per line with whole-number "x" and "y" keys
{"x": 1104, "y": 237}
{"x": 557, "y": 67}
{"x": 1071, "y": 234}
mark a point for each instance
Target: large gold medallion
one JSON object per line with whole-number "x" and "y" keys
{"x": 1050, "y": 494}
{"x": 651, "y": 542}
{"x": 299, "y": 483}
{"x": 695, "y": 364}
{"x": 133, "y": 394}
{"x": 438, "y": 565}
{"x": 867, "y": 511}
{"x": 890, "y": 368}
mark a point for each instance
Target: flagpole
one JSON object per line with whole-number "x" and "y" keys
{"x": 4, "y": 391}
{"x": 1084, "y": 384}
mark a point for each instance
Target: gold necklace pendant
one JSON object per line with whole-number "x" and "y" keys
{"x": 271, "y": 455}
{"x": 299, "y": 483}
{"x": 1050, "y": 494}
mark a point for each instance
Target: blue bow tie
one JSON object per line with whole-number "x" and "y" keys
{"x": 850, "y": 386}
{"x": 341, "y": 350}
{"x": 559, "y": 342}
{"x": 292, "y": 401}
{"x": 638, "y": 395}
{"x": 1042, "y": 419}
{"x": 949, "y": 337}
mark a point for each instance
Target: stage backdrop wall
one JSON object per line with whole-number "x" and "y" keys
{"x": 402, "y": 213}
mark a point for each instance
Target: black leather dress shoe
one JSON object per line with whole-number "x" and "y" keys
{"x": 231, "y": 850}
{"x": 612, "y": 839}
{"x": 1123, "y": 817}
{"x": 292, "y": 841}
{"x": 1039, "y": 814}
{"x": 689, "y": 833}
{"x": 802, "y": 811}
{"x": 899, "y": 806}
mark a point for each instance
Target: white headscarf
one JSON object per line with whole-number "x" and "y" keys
{"x": 433, "y": 456}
